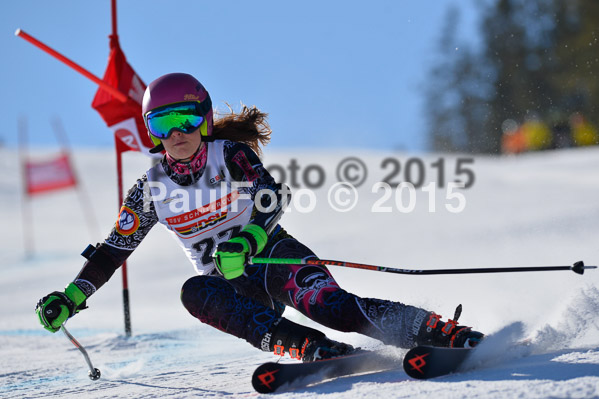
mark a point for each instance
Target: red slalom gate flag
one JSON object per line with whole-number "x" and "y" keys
{"x": 50, "y": 175}
{"x": 123, "y": 117}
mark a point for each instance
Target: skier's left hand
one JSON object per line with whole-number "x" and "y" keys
{"x": 231, "y": 256}
{"x": 55, "y": 308}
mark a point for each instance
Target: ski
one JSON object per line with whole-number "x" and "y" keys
{"x": 423, "y": 362}
{"x": 271, "y": 376}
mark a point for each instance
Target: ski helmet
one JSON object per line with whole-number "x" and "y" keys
{"x": 175, "y": 88}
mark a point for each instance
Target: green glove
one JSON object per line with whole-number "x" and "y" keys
{"x": 231, "y": 256}
{"x": 55, "y": 308}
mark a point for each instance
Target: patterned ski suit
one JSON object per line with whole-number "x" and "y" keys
{"x": 249, "y": 306}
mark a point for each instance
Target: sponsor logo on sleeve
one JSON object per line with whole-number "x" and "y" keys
{"x": 128, "y": 222}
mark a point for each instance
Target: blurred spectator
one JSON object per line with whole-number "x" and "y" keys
{"x": 583, "y": 132}
{"x": 560, "y": 129}
{"x": 536, "y": 133}
{"x": 512, "y": 140}
{"x": 559, "y": 132}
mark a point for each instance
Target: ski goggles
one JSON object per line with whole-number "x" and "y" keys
{"x": 184, "y": 117}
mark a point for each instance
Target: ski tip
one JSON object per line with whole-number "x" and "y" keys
{"x": 415, "y": 362}
{"x": 265, "y": 379}
{"x": 424, "y": 362}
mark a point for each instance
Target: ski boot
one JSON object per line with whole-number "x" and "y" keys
{"x": 325, "y": 348}
{"x": 303, "y": 343}
{"x": 448, "y": 334}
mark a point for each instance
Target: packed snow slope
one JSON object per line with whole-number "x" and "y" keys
{"x": 532, "y": 210}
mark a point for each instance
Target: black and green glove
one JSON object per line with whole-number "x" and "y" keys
{"x": 231, "y": 256}
{"x": 55, "y": 308}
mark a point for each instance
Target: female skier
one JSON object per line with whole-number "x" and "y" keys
{"x": 212, "y": 192}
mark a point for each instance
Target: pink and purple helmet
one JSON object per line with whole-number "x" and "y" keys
{"x": 176, "y": 88}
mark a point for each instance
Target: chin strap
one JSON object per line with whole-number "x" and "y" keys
{"x": 159, "y": 148}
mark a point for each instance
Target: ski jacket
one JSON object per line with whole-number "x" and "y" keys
{"x": 201, "y": 207}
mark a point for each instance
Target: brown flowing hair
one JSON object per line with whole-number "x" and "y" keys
{"x": 248, "y": 126}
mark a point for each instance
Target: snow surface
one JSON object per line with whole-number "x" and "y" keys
{"x": 537, "y": 209}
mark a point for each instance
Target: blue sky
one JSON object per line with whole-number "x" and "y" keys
{"x": 329, "y": 73}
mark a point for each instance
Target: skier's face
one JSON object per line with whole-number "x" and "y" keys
{"x": 182, "y": 146}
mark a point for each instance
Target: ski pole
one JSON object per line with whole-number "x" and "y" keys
{"x": 94, "y": 373}
{"x": 578, "y": 267}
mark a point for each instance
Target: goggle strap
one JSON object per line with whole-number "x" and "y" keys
{"x": 205, "y": 106}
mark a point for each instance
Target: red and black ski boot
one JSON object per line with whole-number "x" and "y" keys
{"x": 435, "y": 332}
{"x": 303, "y": 343}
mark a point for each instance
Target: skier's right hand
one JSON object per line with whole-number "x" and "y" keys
{"x": 231, "y": 256}
{"x": 55, "y": 308}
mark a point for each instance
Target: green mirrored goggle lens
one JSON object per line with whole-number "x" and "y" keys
{"x": 183, "y": 117}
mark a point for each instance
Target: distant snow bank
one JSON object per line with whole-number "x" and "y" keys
{"x": 532, "y": 210}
